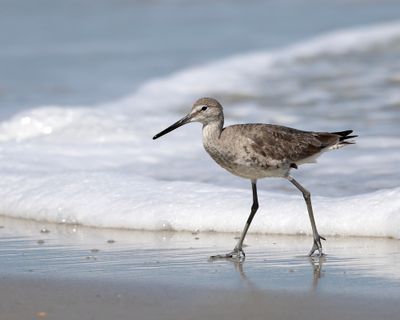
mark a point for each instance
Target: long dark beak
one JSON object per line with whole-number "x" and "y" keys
{"x": 177, "y": 124}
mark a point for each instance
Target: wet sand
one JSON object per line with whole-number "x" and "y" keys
{"x": 53, "y": 271}
{"x": 54, "y": 299}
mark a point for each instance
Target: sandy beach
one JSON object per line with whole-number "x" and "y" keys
{"x": 73, "y": 272}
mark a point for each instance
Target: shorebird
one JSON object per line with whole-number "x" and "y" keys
{"x": 256, "y": 151}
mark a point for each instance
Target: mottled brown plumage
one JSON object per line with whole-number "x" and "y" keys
{"x": 255, "y": 151}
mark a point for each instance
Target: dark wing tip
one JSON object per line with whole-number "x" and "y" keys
{"x": 344, "y": 135}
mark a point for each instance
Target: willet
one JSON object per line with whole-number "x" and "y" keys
{"x": 256, "y": 151}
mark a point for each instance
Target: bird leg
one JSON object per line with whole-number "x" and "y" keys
{"x": 307, "y": 197}
{"x": 238, "y": 252}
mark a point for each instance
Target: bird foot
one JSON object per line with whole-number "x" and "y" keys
{"x": 317, "y": 246}
{"x": 236, "y": 254}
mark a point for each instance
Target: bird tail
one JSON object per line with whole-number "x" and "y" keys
{"x": 344, "y": 137}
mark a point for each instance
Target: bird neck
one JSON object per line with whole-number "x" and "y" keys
{"x": 212, "y": 130}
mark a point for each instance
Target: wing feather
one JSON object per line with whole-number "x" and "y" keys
{"x": 264, "y": 142}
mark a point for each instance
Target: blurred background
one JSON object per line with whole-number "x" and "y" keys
{"x": 84, "y": 52}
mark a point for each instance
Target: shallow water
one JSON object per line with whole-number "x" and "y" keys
{"x": 356, "y": 266}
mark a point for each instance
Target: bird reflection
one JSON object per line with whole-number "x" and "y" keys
{"x": 315, "y": 262}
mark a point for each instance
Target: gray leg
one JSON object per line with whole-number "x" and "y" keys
{"x": 238, "y": 250}
{"x": 254, "y": 208}
{"x": 307, "y": 197}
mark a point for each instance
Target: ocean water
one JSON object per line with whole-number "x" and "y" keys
{"x": 95, "y": 163}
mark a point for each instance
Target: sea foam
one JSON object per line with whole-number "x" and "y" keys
{"x": 113, "y": 200}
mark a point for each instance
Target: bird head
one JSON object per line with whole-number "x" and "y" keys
{"x": 204, "y": 110}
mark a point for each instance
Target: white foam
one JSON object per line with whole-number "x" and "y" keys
{"x": 114, "y": 200}
{"x": 99, "y": 166}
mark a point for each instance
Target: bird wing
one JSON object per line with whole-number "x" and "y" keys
{"x": 272, "y": 143}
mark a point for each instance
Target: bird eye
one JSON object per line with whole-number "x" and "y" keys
{"x": 204, "y": 108}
